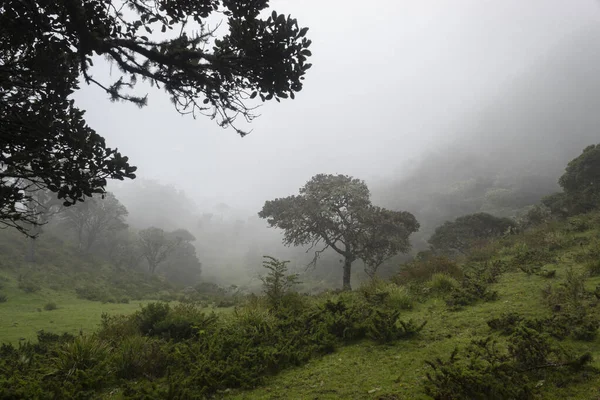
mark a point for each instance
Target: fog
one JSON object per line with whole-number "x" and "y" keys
{"x": 413, "y": 97}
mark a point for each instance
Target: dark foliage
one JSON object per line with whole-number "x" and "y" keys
{"x": 483, "y": 371}
{"x": 46, "y": 47}
{"x": 463, "y": 233}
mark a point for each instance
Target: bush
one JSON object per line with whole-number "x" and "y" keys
{"x": 50, "y": 306}
{"x": 484, "y": 371}
{"x": 442, "y": 283}
{"x": 92, "y": 292}
{"x": 548, "y": 273}
{"x": 28, "y": 284}
{"x": 385, "y": 326}
{"x": 593, "y": 267}
{"x": 379, "y": 292}
{"x": 506, "y": 323}
{"x": 139, "y": 356}
{"x": 84, "y": 361}
{"x": 421, "y": 271}
{"x": 181, "y": 322}
{"x": 3, "y": 298}
{"x": 277, "y": 283}
{"x": 474, "y": 287}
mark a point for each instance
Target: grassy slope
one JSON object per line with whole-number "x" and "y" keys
{"x": 370, "y": 371}
{"x": 23, "y": 314}
{"x": 58, "y": 271}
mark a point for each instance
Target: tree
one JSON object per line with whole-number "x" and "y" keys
{"x": 277, "y": 283}
{"x": 464, "y": 232}
{"x": 335, "y": 211}
{"x": 581, "y": 180}
{"x": 182, "y": 265}
{"x": 42, "y": 205}
{"x": 156, "y": 245}
{"x": 46, "y": 47}
{"x": 96, "y": 217}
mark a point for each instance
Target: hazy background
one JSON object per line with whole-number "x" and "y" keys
{"x": 422, "y": 99}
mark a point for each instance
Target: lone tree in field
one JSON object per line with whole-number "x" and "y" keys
{"x": 47, "y": 49}
{"x": 335, "y": 211}
{"x": 464, "y": 232}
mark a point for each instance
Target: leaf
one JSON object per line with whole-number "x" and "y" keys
{"x": 306, "y": 52}
{"x": 253, "y": 95}
{"x": 302, "y": 32}
{"x": 148, "y": 29}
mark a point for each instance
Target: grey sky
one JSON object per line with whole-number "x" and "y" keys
{"x": 390, "y": 79}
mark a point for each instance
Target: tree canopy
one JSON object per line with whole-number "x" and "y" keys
{"x": 581, "y": 180}
{"x": 464, "y": 232}
{"x": 335, "y": 211}
{"x": 47, "y": 47}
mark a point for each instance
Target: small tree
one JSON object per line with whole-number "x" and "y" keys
{"x": 581, "y": 180}
{"x": 94, "y": 218}
{"x": 335, "y": 211}
{"x": 156, "y": 245}
{"x": 461, "y": 234}
{"x": 277, "y": 283}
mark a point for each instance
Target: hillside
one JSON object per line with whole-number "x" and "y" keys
{"x": 538, "y": 290}
{"x": 398, "y": 371}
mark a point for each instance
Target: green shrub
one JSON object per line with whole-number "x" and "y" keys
{"x": 442, "y": 283}
{"x": 593, "y": 267}
{"x": 181, "y": 322}
{"x": 421, "y": 271}
{"x": 384, "y": 326}
{"x": 139, "y": 356}
{"x": 84, "y": 361}
{"x": 506, "y": 323}
{"x": 474, "y": 287}
{"x": 547, "y": 273}
{"x": 578, "y": 224}
{"x": 277, "y": 283}
{"x": 50, "y": 306}
{"x": 3, "y": 298}
{"x": 92, "y": 292}
{"x": 28, "y": 284}
{"x": 484, "y": 371}
{"x": 381, "y": 293}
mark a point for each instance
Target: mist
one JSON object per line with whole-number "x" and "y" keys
{"x": 414, "y": 98}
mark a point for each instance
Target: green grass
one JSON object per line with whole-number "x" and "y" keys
{"x": 23, "y": 314}
{"x": 369, "y": 371}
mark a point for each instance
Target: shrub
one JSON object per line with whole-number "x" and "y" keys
{"x": 593, "y": 267}
{"x": 484, "y": 371}
{"x": 474, "y": 287}
{"x": 28, "y": 284}
{"x": 442, "y": 283}
{"x": 379, "y": 292}
{"x": 547, "y": 273}
{"x": 506, "y": 323}
{"x": 384, "y": 326}
{"x": 139, "y": 356}
{"x": 3, "y": 298}
{"x": 85, "y": 361}
{"x": 181, "y": 322}
{"x": 277, "y": 283}
{"x": 421, "y": 271}
{"x": 50, "y": 306}
{"x": 92, "y": 292}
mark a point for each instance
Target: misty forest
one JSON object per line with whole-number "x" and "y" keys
{"x": 256, "y": 199}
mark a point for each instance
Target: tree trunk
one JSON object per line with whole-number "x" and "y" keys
{"x": 31, "y": 251}
{"x": 347, "y": 272}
